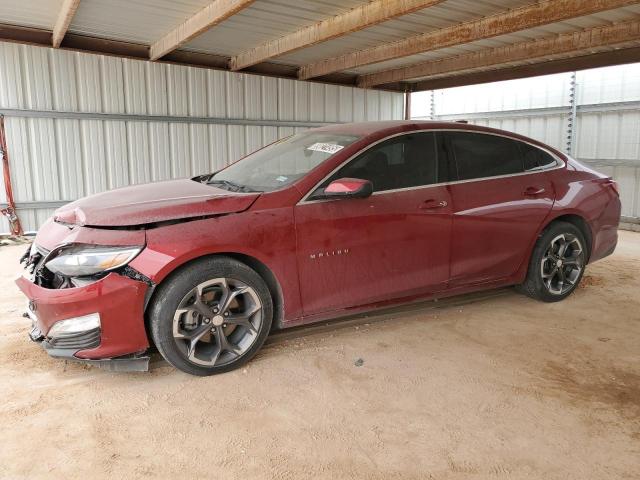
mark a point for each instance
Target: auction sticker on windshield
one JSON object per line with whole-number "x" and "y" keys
{"x": 325, "y": 147}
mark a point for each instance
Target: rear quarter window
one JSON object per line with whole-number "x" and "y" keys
{"x": 535, "y": 158}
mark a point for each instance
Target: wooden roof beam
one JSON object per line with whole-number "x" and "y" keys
{"x": 351, "y": 21}
{"x": 607, "y": 58}
{"x": 566, "y": 44}
{"x": 67, "y": 11}
{"x": 211, "y": 15}
{"x": 522, "y": 18}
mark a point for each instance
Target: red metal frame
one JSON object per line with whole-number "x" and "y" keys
{"x": 10, "y": 211}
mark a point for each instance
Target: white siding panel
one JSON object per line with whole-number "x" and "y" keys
{"x": 179, "y": 149}
{"x": 44, "y": 159}
{"x": 199, "y": 152}
{"x": 177, "y": 88}
{"x": 359, "y": 105}
{"x": 63, "y": 81}
{"x": 253, "y": 97}
{"x": 270, "y": 134}
{"x": 235, "y": 95}
{"x": 302, "y": 102}
{"x": 587, "y": 136}
{"x": 116, "y": 154}
{"x": 286, "y": 99}
{"x": 93, "y": 152}
{"x": 253, "y": 136}
{"x": 138, "y": 153}
{"x": 345, "y": 104}
{"x": 69, "y": 156}
{"x": 372, "y": 102}
{"x": 159, "y": 151}
{"x": 217, "y": 88}
{"x": 197, "y": 92}
{"x": 316, "y": 102}
{"x": 37, "y": 76}
{"x": 629, "y": 135}
{"x": 11, "y": 90}
{"x": 331, "y": 100}
{"x": 18, "y": 139}
{"x": 156, "y": 88}
{"x": 628, "y": 183}
{"x": 135, "y": 87}
{"x": 269, "y": 100}
{"x": 87, "y": 73}
{"x": 236, "y": 146}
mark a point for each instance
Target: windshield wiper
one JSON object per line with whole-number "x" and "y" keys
{"x": 233, "y": 187}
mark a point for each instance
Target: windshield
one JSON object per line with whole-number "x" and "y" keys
{"x": 280, "y": 163}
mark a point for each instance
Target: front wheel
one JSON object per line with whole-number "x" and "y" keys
{"x": 557, "y": 263}
{"x": 211, "y": 317}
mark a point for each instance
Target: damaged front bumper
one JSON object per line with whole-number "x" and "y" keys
{"x": 109, "y": 328}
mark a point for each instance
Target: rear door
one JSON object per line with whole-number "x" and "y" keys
{"x": 393, "y": 244}
{"x": 499, "y": 202}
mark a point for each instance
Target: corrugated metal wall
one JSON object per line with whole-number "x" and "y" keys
{"x": 58, "y": 157}
{"x": 607, "y": 133}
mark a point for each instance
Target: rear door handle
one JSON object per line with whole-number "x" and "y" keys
{"x": 432, "y": 204}
{"x": 533, "y": 191}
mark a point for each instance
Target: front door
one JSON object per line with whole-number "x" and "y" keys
{"x": 393, "y": 244}
{"x": 502, "y": 197}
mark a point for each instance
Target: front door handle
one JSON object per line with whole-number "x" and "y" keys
{"x": 432, "y": 204}
{"x": 533, "y": 191}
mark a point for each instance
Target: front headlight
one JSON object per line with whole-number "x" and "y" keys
{"x": 84, "y": 260}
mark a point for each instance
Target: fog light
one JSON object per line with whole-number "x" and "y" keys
{"x": 75, "y": 325}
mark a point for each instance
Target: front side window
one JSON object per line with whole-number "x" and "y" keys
{"x": 404, "y": 161}
{"x": 281, "y": 163}
{"x": 480, "y": 155}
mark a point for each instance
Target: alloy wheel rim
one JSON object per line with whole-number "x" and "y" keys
{"x": 562, "y": 264}
{"x": 217, "y": 322}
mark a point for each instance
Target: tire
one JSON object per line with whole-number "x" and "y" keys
{"x": 211, "y": 316}
{"x": 554, "y": 273}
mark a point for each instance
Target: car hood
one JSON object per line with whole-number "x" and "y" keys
{"x": 150, "y": 203}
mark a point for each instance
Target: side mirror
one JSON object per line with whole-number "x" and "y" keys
{"x": 348, "y": 188}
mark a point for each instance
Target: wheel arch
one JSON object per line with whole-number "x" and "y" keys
{"x": 255, "y": 264}
{"x": 570, "y": 217}
{"x": 580, "y": 223}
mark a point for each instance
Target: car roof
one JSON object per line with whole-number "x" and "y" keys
{"x": 381, "y": 129}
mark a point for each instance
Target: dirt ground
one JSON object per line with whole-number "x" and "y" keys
{"x": 502, "y": 387}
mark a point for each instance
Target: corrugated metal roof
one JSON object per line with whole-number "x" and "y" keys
{"x": 443, "y": 15}
{"x": 266, "y": 20}
{"x": 139, "y": 21}
{"x": 146, "y": 21}
{"x": 30, "y": 13}
{"x": 604, "y": 18}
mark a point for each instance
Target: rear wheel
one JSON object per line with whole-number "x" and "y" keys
{"x": 211, "y": 317}
{"x": 557, "y": 263}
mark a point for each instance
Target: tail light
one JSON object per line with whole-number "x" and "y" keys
{"x": 611, "y": 182}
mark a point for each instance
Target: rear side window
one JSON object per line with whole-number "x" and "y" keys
{"x": 535, "y": 158}
{"x": 480, "y": 155}
{"x": 404, "y": 161}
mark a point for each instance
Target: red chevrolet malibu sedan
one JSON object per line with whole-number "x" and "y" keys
{"x": 328, "y": 222}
